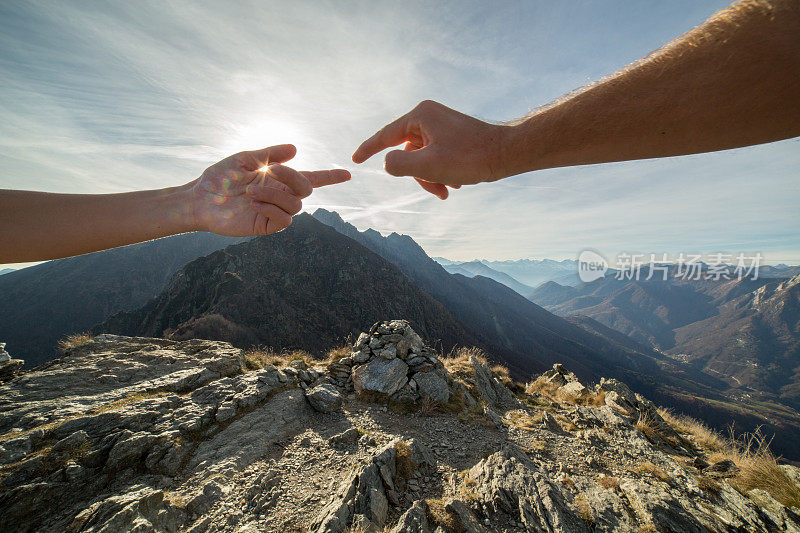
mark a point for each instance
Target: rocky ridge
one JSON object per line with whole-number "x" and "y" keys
{"x": 124, "y": 434}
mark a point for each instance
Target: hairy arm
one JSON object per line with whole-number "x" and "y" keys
{"x": 38, "y": 226}
{"x": 733, "y": 81}
{"x": 249, "y": 193}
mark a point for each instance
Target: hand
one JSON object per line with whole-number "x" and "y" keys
{"x": 233, "y": 197}
{"x": 443, "y": 147}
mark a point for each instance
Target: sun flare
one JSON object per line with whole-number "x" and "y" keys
{"x": 268, "y": 131}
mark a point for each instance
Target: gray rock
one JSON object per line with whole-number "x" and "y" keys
{"x": 414, "y": 520}
{"x": 325, "y": 398}
{"x": 574, "y": 389}
{"x": 432, "y": 386}
{"x": 347, "y": 437}
{"x": 361, "y": 499}
{"x": 467, "y": 520}
{"x": 490, "y": 388}
{"x": 507, "y": 484}
{"x": 380, "y": 375}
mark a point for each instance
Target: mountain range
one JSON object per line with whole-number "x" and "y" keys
{"x": 744, "y": 332}
{"x": 525, "y": 274}
{"x": 43, "y": 303}
{"x": 325, "y": 276}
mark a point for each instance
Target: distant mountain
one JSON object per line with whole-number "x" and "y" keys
{"x": 529, "y": 272}
{"x": 6, "y": 271}
{"x": 745, "y": 332}
{"x": 476, "y": 268}
{"x": 272, "y": 291}
{"x": 43, "y": 303}
{"x": 525, "y": 337}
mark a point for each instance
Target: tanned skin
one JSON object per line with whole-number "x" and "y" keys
{"x": 250, "y": 193}
{"x": 733, "y": 81}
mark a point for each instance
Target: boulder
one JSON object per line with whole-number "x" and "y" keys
{"x": 432, "y": 386}
{"x": 325, "y": 397}
{"x": 385, "y": 376}
{"x": 414, "y": 520}
{"x": 492, "y": 390}
{"x": 574, "y": 389}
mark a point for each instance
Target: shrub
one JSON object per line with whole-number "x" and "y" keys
{"x": 608, "y": 482}
{"x": 650, "y": 469}
{"x": 73, "y": 341}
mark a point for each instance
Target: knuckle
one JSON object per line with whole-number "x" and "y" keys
{"x": 295, "y": 206}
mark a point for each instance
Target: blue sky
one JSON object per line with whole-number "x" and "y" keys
{"x": 103, "y": 97}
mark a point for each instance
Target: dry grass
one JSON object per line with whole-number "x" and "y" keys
{"x": 73, "y": 341}
{"x": 475, "y": 415}
{"x": 758, "y": 467}
{"x": 439, "y": 516}
{"x": 647, "y": 429}
{"x": 708, "y": 484}
{"x": 542, "y": 388}
{"x": 128, "y": 400}
{"x": 258, "y": 358}
{"x": 650, "y": 469}
{"x": 608, "y": 482}
{"x": 584, "y": 509}
{"x": 403, "y": 462}
{"x": 457, "y": 362}
{"x": 703, "y": 435}
{"x": 335, "y": 354}
{"x": 523, "y": 420}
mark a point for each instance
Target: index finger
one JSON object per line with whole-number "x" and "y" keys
{"x": 320, "y": 178}
{"x": 390, "y": 135}
{"x": 297, "y": 182}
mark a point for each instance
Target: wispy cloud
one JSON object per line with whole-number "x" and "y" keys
{"x": 122, "y": 96}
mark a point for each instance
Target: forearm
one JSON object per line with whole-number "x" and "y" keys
{"x": 37, "y": 226}
{"x": 734, "y": 81}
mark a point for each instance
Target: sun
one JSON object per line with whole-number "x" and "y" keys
{"x": 267, "y": 131}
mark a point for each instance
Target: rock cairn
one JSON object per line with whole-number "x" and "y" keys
{"x": 394, "y": 361}
{"x": 8, "y": 367}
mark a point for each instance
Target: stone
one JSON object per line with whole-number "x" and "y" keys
{"x": 574, "y": 389}
{"x": 10, "y": 368}
{"x": 508, "y": 484}
{"x": 346, "y": 438}
{"x": 722, "y": 469}
{"x": 490, "y": 388}
{"x": 360, "y": 356}
{"x": 467, "y": 520}
{"x": 388, "y": 352}
{"x": 414, "y": 520}
{"x": 433, "y": 386}
{"x": 380, "y": 375}
{"x": 325, "y": 398}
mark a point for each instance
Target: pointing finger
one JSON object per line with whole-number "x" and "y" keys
{"x": 437, "y": 189}
{"x": 298, "y": 183}
{"x": 390, "y": 135}
{"x": 320, "y": 178}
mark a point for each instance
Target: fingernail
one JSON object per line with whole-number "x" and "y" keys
{"x": 250, "y": 189}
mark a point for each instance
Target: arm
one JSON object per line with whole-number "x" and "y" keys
{"x": 232, "y": 197}
{"x": 733, "y": 81}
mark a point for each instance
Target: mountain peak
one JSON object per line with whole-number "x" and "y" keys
{"x": 153, "y": 434}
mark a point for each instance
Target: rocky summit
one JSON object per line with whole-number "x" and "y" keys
{"x": 145, "y": 434}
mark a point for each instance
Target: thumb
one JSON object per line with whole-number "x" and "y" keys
{"x": 410, "y": 163}
{"x": 255, "y": 159}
